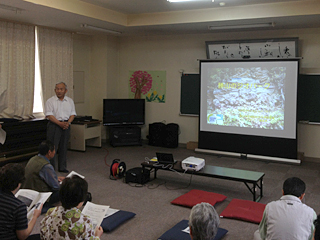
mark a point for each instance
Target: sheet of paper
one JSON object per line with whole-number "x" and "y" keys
{"x": 27, "y": 196}
{"x": 32, "y": 199}
{"x": 111, "y": 211}
{"x": 3, "y": 136}
{"x": 95, "y": 212}
{"x": 186, "y": 230}
{"x": 42, "y": 198}
{"x": 74, "y": 173}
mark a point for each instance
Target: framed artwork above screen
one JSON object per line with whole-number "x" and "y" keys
{"x": 249, "y": 106}
{"x": 279, "y": 48}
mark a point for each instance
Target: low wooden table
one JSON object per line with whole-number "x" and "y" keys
{"x": 247, "y": 177}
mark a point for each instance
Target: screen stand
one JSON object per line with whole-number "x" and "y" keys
{"x": 250, "y": 156}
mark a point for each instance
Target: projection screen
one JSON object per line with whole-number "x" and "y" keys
{"x": 249, "y": 106}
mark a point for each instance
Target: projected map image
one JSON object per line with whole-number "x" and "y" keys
{"x": 246, "y": 97}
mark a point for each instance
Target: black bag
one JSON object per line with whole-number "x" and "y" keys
{"x": 138, "y": 175}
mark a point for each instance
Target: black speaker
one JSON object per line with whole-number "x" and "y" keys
{"x": 171, "y": 136}
{"x": 163, "y": 135}
{"x": 156, "y": 133}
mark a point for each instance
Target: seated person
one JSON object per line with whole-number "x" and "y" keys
{"x": 40, "y": 174}
{"x": 288, "y": 218}
{"x": 203, "y": 222}
{"x": 13, "y": 212}
{"x": 67, "y": 221}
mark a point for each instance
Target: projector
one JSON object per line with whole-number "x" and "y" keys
{"x": 193, "y": 163}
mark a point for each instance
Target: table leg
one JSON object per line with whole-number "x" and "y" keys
{"x": 254, "y": 191}
{"x": 261, "y": 187}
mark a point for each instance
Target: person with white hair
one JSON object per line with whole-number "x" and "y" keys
{"x": 60, "y": 111}
{"x": 203, "y": 222}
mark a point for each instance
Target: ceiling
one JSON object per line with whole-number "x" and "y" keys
{"x": 146, "y": 17}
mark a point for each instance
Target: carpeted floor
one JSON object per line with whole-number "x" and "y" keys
{"x": 151, "y": 202}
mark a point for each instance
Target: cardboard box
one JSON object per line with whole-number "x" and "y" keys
{"x": 192, "y": 145}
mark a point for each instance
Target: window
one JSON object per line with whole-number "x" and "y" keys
{"x": 38, "y": 99}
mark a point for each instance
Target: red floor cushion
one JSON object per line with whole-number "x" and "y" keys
{"x": 244, "y": 210}
{"x": 194, "y": 197}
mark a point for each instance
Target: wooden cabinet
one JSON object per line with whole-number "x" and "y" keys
{"x": 85, "y": 133}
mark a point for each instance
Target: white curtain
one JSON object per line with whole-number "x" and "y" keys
{"x": 56, "y": 60}
{"x": 17, "y": 46}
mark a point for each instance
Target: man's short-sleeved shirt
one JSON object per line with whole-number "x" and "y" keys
{"x": 61, "y": 110}
{"x": 13, "y": 216}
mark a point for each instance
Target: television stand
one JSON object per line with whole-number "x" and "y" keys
{"x": 125, "y": 136}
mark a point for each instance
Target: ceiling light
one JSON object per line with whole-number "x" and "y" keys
{"x": 100, "y": 29}
{"x": 175, "y": 1}
{"x": 180, "y": 0}
{"x": 242, "y": 26}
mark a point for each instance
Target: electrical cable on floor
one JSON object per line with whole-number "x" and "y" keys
{"x": 136, "y": 185}
{"x": 180, "y": 187}
{"x": 105, "y": 157}
{"x": 157, "y": 185}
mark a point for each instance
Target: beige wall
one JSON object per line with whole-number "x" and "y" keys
{"x": 113, "y": 58}
{"x": 97, "y": 57}
{"x": 81, "y": 63}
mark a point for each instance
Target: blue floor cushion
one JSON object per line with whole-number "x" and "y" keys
{"x": 176, "y": 232}
{"x": 114, "y": 220}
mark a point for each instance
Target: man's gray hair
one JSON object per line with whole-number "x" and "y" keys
{"x": 62, "y": 83}
{"x": 203, "y": 222}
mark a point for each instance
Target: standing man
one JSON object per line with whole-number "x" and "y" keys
{"x": 60, "y": 111}
{"x": 288, "y": 218}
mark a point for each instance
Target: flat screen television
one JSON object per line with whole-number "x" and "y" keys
{"x": 117, "y": 112}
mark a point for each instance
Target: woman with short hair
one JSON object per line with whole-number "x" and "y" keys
{"x": 67, "y": 221}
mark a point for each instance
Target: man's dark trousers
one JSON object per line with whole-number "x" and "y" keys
{"x": 60, "y": 139}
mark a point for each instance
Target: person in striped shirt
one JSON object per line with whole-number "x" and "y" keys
{"x": 13, "y": 212}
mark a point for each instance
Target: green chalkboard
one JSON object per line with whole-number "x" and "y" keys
{"x": 308, "y": 102}
{"x": 190, "y": 94}
{"x": 308, "y": 98}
